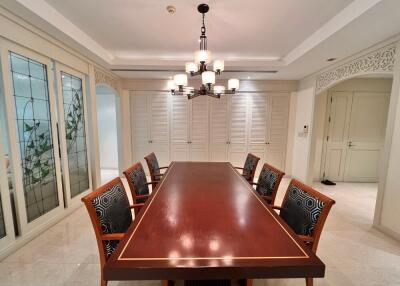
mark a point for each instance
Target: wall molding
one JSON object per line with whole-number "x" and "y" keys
{"x": 379, "y": 61}
{"x": 103, "y": 77}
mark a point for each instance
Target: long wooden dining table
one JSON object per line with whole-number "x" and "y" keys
{"x": 204, "y": 221}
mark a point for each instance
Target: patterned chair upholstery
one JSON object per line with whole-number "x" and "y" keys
{"x": 268, "y": 183}
{"x": 138, "y": 184}
{"x": 111, "y": 216}
{"x": 154, "y": 168}
{"x": 250, "y": 166}
{"x": 305, "y": 210}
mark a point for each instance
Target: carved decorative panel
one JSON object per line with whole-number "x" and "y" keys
{"x": 104, "y": 78}
{"x": 379, "y": 61}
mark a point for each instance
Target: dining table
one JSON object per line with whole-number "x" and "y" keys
{"x": 204, "y": 221}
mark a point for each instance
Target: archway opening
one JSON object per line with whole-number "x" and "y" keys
{"x": 107, "y": 122}
{"x": 349, "y": 129}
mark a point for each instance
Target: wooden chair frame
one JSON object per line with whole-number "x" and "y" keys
{"x": 250, "y": 177}
{"x": 100, "y": 236}
{"x": 312, "y": 240}
{"x": 154, "y": 177}
{"x": 132, "y": 187}
{"x": 271, "y": 199}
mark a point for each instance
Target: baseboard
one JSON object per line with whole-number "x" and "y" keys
{"x": 21, "y": 241}
{"x": 388, "y": 231}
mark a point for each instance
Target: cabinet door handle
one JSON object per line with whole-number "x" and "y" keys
{"x": 267, "y": 143}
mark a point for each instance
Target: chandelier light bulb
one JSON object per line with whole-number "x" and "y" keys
{"x": 219, "y": 66}
{"x": 171, "y": 85}
{"x": 191, "y": 67}
{"x": 202, "y": 56}
{"x": 219, "y": 89}
{"x": 208, "y": 77}
{"x": 181, "y": 80}
{"x": 233, "y": 84}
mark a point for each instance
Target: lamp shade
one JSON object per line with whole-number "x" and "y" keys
{"x": 202, "y": 56}
{"x": 171, "y": 85}
{"x": 181, "y": 79}
{"x": 208, "y": 77}
{"x": 219, "y": 65}
{"x": 191, "y": 67}
{"x": 219, "y": 89}
{"x": 233, "y": 83}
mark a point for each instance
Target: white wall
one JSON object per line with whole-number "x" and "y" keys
{"x": 301, "y": 142}
{"x": 107, "y": 125}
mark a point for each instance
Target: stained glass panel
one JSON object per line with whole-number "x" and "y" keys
{"x": 74, "y": 118}
{"x": 35, "y": 138}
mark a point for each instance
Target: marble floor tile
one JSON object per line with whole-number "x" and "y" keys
{"x": 354, "y": 252}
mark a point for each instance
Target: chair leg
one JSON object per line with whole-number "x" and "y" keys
{"x": 103, "y": 282}
{"x": 309, "y": 282}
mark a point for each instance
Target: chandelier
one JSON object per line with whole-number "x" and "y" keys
{"x": 201, "y": 65}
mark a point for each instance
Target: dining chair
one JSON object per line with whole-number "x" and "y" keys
{"x": 111, "y": 216}
{"x": 305, "y": 210}
{"x": 250, "y": 166}
{"x": 268, "y": 183}
{"x": 138, "y": 184}
{"x": 154, "y": 168}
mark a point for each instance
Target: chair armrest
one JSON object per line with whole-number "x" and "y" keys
{"x": 277, "y": 208}
{"x": 162, "y": 168}
{"x": 306, "y": 238}
{"x": 135, "y": 206}
{"x": 254, "y": 184}
{"x": 112, "y": 236}
{"x": 241, "y": 168}
{"x": 158, "y": 175}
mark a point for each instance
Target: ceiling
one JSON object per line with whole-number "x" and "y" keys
{"x": 292, "y": 37}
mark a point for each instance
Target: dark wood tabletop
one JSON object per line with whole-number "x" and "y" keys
{"x": 204, "y": 221}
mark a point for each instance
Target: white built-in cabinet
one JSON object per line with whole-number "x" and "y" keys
{"x": 210, "y": 129}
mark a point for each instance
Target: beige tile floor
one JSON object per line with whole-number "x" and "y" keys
{"x": 354, "y": 252}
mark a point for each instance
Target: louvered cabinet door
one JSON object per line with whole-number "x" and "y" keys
{"x": 179, "y": 128}
{"x": 278, "y": 129}
{"x": 258, "y": 132}
{"x": 199, "y": 133}
{"x": 219, "y": 125}
{"x": 238, "y": 123}
{"x": 140, "y": 126}
{"x": 159, "y": 126}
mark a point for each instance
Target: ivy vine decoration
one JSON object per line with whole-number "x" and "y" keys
{"x": 37, "y": 163}
{"x": 74, "y": 119}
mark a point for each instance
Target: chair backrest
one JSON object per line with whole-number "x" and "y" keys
{"x": 137, "y": 181}
{"x": 154, "y": 168}
{"x": 109, "y": 212}
{"x": 250, "y": 166}
{"x": 305, "y": 210}
{"x": 268, "y": 182}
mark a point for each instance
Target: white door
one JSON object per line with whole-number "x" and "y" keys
{"x": 198, "y": 129}
{"x": 219, "y": 136}
{"x": 278, "y": 121}
{"x": 140, "y": 127}
{"x": 238, "y": 124}
{"x": 366, "y": 135}
{"x": 337, "y": 135}
{"x": 159, "y": 126}
{"x": 258, "y": 126}
{"x": 179, "y": 128}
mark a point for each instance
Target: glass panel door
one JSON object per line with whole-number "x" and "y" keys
{"x": 72, "y": 110}
{"x": 35, "y": 138}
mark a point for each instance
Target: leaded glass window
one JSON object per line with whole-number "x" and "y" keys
{"x": 74, "y": 118}
{"x": 35, "y": 138}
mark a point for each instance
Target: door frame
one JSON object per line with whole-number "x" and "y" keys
{"x": 52, "y": 216}
{"x": 68, "y": 200}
